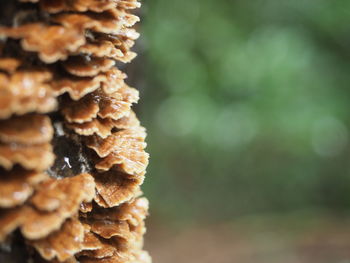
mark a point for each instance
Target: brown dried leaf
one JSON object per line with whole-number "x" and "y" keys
{"x": 84, "y": 5}
{"x": 115, "y": 188}
{"x": 127, "y": 122}
{"x": 33, "y": 157}
{"x": 23, "y": 92}
{"x": 127, "y": 19}
{"x": 27, "y": 129}
{"x": 122, "y": 229}
{"x": 67, "y": 193}
{"x": 34, "y": 224}
{"x": 63, "y": 243}
{"x": 141, "y": 257}
{"x": 100, "y": 201}
{"x": 76, "y": 5}
{"x": 51, "y": 42}
{"x": 114, "y": 81}
{"x": 127, "y": 34}
{"x": 95, "y": 246}
{"x": 14, "y": 192}
{"x": 113, "y": 250}
{"x": 39, "y": 224}
{"x": 124, "y": 148}
{"x": 17, "y": 185}
{"x": 128, "y": 4}
{"x": 109, "y": 22}
{"x": 9, "y": 65}
{"x": 10, "y": 219}
{"x": 135, "y": 163}
{"x": 85, "y": 207}
{"x": 114, "y": 247}
{"x": 108, "y": 229}
{"x": 77, "y": 87}
{"x": 128, "y": 56}
{"x": 118, "y": 142}
{"x": 124, "y": 40}
{"x": 101, "y": 49}
{"x": 107, "y": 250}
{"x": 83, "y": 21}
{"x": 117, "y": 105}
{"x": 91, "y": 241}
{"x": 50, "y": 195}
{"x": 87, "y": 66}
{"x": 82, "y": 110}
{"x": 103, "y": 127}
{"x": 133, "y": 212}
{"x": 121, "y": 43}
{"x": 70, "y": 260}
{"x": 70, "y": 193}
{"x": 115, "y": 259}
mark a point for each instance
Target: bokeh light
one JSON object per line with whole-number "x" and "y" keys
{"x": 246, "y": 105}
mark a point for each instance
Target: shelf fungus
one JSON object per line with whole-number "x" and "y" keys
{"x": 72, "y": 151}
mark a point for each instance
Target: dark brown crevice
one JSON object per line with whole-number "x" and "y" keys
{"x": 14, "y": 250}
{"x": 72, "y": 156}
{"x": 11, "y": 48}
{"x": 8, "y": 9}
{"x": 14, "y": 13}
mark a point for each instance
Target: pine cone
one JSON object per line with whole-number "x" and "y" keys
{"x": 72, "y": 151}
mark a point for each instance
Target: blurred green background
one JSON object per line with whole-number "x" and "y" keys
{"x": 246, "y": 103}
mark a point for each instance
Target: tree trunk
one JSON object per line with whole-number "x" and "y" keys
{"x": 72, "y": 153}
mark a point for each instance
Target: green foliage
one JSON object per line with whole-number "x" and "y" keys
{"x": 247, "y": 106}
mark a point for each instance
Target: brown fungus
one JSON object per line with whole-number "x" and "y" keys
{"x": 72, "y": 153}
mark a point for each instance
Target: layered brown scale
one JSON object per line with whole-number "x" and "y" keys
{"x": 72, "y": 151}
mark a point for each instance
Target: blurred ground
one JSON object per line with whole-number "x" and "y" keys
{"x": 246, "y": 105}
{"x": 291, "y": 239}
